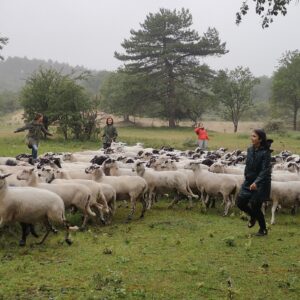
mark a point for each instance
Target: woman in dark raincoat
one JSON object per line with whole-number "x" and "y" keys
{"x": 110, "y": 133}
{"x": 257, "y": 185}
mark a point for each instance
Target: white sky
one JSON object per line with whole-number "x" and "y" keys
{"x": 87, "y": 32}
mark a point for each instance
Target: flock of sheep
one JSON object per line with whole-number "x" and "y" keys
{"x": 93, "y": 181}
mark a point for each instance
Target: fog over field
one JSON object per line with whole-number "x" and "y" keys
{"x": 88, "y": 32}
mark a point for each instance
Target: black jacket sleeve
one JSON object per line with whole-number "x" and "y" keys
{"x": 265, "y": 173}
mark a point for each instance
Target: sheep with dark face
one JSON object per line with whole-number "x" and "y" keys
{"x": 31, "y": 205}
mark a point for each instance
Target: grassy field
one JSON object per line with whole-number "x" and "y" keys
{"x": 171, "y": 254}
{"x": 181, "y": 138}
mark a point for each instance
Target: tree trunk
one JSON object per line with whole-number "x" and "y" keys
{"x": 295, "y": 117}
{"x": 126, "y": 118}
{"x": 171, "y": 101}
{"x": 235, "y": 126}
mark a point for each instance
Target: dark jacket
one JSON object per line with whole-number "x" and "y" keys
{"x": 110, "y": 134}
{"x": 258, "y": 169}
{"x": 35, "y": 130}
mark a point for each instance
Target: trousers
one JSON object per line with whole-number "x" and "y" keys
{"x": 251, "y": 204}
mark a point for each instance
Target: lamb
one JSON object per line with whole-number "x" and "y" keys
{"x": 31, "y": 205}
{"x": 97, "y": 199}
{"x": 127, "y": 187}
{"x": 286, "y": 194}
{"x": 213, "y": 184}
{"x": 73, "y": 195}
{"x": 167, "y": 180}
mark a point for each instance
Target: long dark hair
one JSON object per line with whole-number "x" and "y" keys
{"x": 112, "y": 120}
{"x": 264, "y": 141}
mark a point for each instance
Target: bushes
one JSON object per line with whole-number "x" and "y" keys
{"x": 276, "y": 126}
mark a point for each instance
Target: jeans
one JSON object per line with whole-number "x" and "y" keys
{"x": 202, "y": 144}
{"x": 34, "y": 151}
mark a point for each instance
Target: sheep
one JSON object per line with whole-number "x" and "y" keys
{"x": 218, "y": 167}
{"x": 167, "y": 180}
{"x": 8, "y": 161}
{"x": 31, "y": 205}
{"x": 111, "y": 168}
{"x": 127, "y": 187}
{"x": 108, "y": 191}
{"x": 213, "y": 184}
{"x": 286, "y": 194}
{"x": 97, "y": 199}
{"x": 73, "y": 195}
{"x": 72, "y": 157}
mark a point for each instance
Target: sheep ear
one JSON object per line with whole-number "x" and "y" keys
{"x": 2, "y": 176}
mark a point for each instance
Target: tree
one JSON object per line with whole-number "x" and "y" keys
{"x": 233, "y": 91}
{"x": 3, "y": 42}
{"x": 9, "y": 102}
{"x": 286, "y": 87}
{"x": 62, "y": 100}
{"x": 266, "y": 9}
{"x": 166, "y": 50}
{"x": 124, "y": 95}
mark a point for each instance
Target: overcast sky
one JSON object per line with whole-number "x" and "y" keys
{"x": 87, "y": 32}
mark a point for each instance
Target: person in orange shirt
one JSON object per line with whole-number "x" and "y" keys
{"x": 202, "y": 136}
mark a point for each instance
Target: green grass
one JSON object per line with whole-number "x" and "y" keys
{"x": 171, "y": 254}
{"x": 181, "y": 138}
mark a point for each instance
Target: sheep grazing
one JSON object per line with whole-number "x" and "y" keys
{"x": 167, "y": 180}
{"x": 31, "y": 205}
{"x": 73, "y": 195}
{"x": 127, "y": 187}
{"x": 213, "y": 184}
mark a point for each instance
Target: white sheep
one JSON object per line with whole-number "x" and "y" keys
{"x": 213, "y": 184}
{"x": 31, "y": 205}
{"x": 285, "y": 194}
{"x": 165, "y": 181}
{"x": 73, "y": 194}
{"x": 97, "y": 200}
{"x": 131, "y": 188}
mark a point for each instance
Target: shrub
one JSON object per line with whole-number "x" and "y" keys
{"x": 275, "y": 126}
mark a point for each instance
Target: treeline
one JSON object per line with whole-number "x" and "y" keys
{"x": 162, "y": 76}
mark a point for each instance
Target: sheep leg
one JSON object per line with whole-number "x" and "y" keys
{"x": 99, "y": 208}
{"x": 226, "y": 200}
{"x": 32, "y": 231}
{"x": 144, "y": 203}
{"x": 274, "y": 207}
{"x": 175, "y": 201}
{"x": 25, "y": 233}
{"x": 48, "y": 229}
{"x": 206, "y": 201}
{"x": 133, "y": 206}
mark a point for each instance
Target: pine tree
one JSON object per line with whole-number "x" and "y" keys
{"x": 167, "y": 50}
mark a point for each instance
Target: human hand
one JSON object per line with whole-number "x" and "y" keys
{"x": 253, "y": 187}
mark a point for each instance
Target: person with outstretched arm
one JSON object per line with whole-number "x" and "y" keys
{"x": 35, "y": 130}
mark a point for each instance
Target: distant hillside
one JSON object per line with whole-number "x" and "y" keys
{"x": 15, "y": 70}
